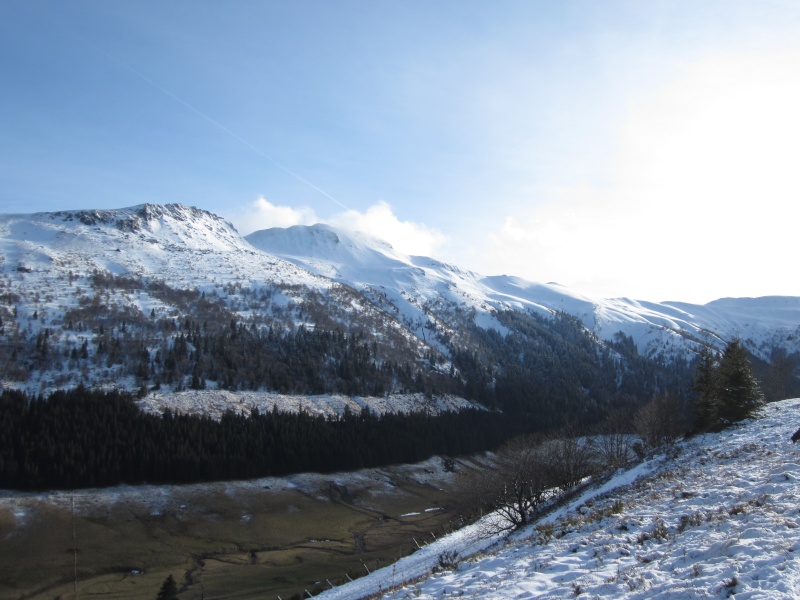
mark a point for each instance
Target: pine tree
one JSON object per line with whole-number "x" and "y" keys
{"x": 706, "y": 390}
{"x": 738, "y": 393}
{"x": 169, "y": 590}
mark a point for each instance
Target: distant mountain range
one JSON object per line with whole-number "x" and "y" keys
{"x": 153, "y": 296}
{"x": 410, "y": 282}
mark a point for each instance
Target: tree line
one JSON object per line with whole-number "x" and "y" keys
{"x": 551, "y": 370}
{"x": 539, "y": 367}
{"x": 83, "y": 438}
{"x": 246, "y": 341}
{"x": 726, "y": 389}
{"x": 531, "y": 472}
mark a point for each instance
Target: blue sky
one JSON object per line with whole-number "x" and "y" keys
{"x": 643, "y": 149}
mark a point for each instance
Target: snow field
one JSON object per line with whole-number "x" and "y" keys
{"x": 717, "y": 518}
{"x": 215, "y": 403}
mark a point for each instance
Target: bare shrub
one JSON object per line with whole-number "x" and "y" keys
{"x": 614, "y": 440}
{"x": 517, "y": 483}
{"x": 448, "y": 561}
{"x": 729, "y": 586}
{"x": 571, "y": 460}
{"x": 525, "y": 474}
{"x": 659, "y": 532}
{"x": 661, "y": 421}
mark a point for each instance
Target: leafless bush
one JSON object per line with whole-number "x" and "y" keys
{"x": 448, "y": 561}
{"x": 658, "y": 532}
{"x": 513, "y": 487}
{"x": 660, "y": 422}
{"x": 571, "y": 460}
{"x": 526, "y": 473}
{"x": 614, "y": 440}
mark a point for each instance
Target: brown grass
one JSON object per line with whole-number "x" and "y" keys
{"x": 257, "y": 543}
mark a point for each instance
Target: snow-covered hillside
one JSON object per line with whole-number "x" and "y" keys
{"x": 57, "y": 272}
{"x": 718, "y": 518}
{"x": 415, "y": 284}
{"x": 193, "y": 249}
{"x": 182, "y": 245}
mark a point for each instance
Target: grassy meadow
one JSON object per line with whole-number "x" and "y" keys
{"x": 225, "y": 540}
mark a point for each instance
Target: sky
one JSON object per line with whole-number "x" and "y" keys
{"x": 621, "y": 148}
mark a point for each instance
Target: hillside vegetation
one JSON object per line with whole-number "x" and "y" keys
{"x": 717, "y": 516}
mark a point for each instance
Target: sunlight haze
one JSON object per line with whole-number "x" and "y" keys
{"x": 646, "y": 150}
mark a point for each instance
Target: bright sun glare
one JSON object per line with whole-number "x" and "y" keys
{"x": 704, "y": 171}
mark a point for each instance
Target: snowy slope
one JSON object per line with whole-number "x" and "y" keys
{"x": 414, "y": 284}
{"x": 410, "y": 286}
{"x": 47, "y": 262}
{"x": 194, "y": 249}
{"x": 185, "y": 246}
{"x": 215, "y": 403}
{"x": 720, "y": 518}
{"x": 55, "y": 265}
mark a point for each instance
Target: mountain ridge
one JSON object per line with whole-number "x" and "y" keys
{"x": 720, "y": 320}
{"x": 73, "y": 278}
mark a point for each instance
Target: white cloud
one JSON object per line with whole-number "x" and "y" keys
{"x": 380, "y": 221}
{"x": 262, "y": 214}
{"x": 699, "y": 196}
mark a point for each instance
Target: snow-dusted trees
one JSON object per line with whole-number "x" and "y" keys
{"x": 705, "y": 388}
{"x": 726, "y": 390}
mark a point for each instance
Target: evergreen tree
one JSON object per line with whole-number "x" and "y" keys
{"x": 705, "y": 386}
{"x": 169, "y": 590}
{"x": 738, "y": 393}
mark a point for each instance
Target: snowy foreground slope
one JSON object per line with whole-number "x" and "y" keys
{"x": 719, "y": 519}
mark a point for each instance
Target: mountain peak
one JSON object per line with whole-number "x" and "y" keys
{"x": 139, "y": 217}
{"x": 187, "y": 246}
{"x": 324, "y": 243}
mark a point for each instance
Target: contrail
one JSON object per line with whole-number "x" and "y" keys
{"x": 214, "y": 122}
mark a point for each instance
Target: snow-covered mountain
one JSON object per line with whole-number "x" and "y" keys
{"x": 66, "y": 277}
{"x": 79, "y": 275}
{"x": 159, "y": 299}
{"x": 184, "y": 246}
{"x": 414, "y": 284}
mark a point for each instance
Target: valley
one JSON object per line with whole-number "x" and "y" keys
{"x": 154, "y": 344}
{"x": 254, "y": 539}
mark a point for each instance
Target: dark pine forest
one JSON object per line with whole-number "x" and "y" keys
{"x": 84, "y": 438}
